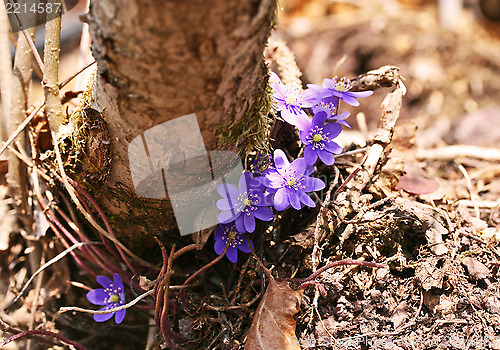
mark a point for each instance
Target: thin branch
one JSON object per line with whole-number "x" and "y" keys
{"x": 28, "y": 37}
{"x": 32, "y": 115}
{"x": 20, "y": 128}
{"x": 51, "y": 70}
{"x": 385, "y": 76}
{"x": 232, "y": 307}
{"x": 391, "y": 107}
{"x": 333, "y": 264}
{"x": 459, "y": 151}
{"x": 17, "y": 173}
{"x": 100, "y": 312}
{"x": 182, "y": 296}
{"x": 5, "y": 71}
{"x": 47, "y": 264}
{"x": 472, "y": 191}
{"x": 71, "y": 77}
{"x": 38, "y": 59}
{"x": 41, "y": 332}
{"x": 321, "y": 213}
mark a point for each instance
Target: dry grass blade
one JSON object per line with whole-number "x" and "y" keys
{"x": 47, "y": 264}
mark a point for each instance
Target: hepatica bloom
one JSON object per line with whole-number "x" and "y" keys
{"x": 289, "y": 100}
{"x": 225, "y": 232}
{"x": 317, "y": 138}
{"x": 339, "y": 88}
{"x": 340, "y": 118}
{"x": 111, "y": 296}
{"x": 242, "y": 205}
{"x": 289, "y": 182}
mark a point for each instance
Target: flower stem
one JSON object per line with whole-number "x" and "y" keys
{"x": 333, "y": 264}
{"x": 106, "y": 223}
{"x": 41, "y": 332}
{"x": 182, "y": 295}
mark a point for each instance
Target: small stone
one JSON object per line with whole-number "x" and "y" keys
{"x": 375, "y": 294}
{"x": 476, "y": 269}
{"x": 382, "y": 274}
{"x": 400, "y": 314}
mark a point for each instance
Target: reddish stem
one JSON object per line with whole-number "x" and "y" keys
{"x": 182, "y": 295}
{"x": 351, "y": 175}
{"x": 162, "y": 297}
{"x": 100, "y": 255}
{"x": 333, "y": 264}
{"x": 184, "y": 250}
{"x": 61, "y": 232}
{"x": 109, "y": 248}
{"x": 320, "y": 287}
{"x": 57, "y": 228}
{"x": 106, "y": 222}
{"x": 41, "y": 332}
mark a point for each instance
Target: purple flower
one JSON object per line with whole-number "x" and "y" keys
{"x": 290, "y": 100}
{"x": 318, "y": 139}
{"x": 340, "y": 118}
{"x": 245, "y": 204}
{"x": 111, "y": 296}
{"x": 289, "y": 184}
{"x": 225, "y": 232}
{"x": 339, "y": 89}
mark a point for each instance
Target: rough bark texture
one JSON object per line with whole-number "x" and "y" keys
{"x": 160, "y": 60}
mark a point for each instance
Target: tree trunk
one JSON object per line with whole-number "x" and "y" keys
{"x": 161, "y": 60}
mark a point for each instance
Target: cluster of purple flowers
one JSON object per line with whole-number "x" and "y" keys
{"x": 279, "y": 182}
{"x": 317, "y": 134}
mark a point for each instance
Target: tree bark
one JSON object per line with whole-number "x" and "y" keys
{"x": 160, "y": 60}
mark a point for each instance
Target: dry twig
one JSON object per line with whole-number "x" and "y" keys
{"x": 460, "y": 151}
{"x": 51, "y": 70}
{"x": 5, "y": 71}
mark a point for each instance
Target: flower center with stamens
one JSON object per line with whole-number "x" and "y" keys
{"x": 317, "y": 138}
{"x": 292, "y": 182}
{"x": 114, "y": 298}
{"x": 248, "y": 201}
{"x": 291, "y": 100}
{"x": 330, "y": 105}
{"x": 342, "y": 85}
{"x": 233, "y": 237}
{"x": 292, "y": 96}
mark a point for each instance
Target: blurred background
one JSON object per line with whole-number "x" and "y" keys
{"x": 448, "y": 52}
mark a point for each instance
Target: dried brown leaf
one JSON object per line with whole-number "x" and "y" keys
{"x": 273, "y": 326}
{"x": 430, "y": 274}
{"x": 430, "y": 221}
{"x": 415, "y": 183}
